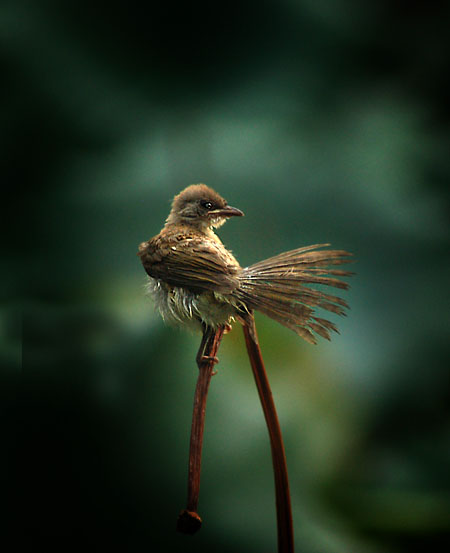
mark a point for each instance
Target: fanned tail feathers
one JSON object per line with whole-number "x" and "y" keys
{"x": 278, "y": 287}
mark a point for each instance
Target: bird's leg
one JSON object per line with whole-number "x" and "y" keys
{"x": 201, "y": 349}
{"x": 189, "y": 520}
{"x": 202, "y": 356}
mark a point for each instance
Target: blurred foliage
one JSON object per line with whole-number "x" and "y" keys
{"x": 323, "y": 121}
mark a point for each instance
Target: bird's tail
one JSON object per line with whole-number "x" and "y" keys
{"x": 279, "y": 288}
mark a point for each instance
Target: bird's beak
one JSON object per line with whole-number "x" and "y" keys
{"x": 226, "y": 211}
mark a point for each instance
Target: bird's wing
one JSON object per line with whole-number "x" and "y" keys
{"x": 190, "y": 262}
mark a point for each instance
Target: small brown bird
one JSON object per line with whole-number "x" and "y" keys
{"x": 195, "y": 280}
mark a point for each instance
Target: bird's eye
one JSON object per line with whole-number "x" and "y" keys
{"x": 207, "y": 205}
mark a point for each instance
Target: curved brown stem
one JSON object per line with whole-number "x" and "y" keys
{"x": 189, "y": 520}
{"x": 283, "y": 500}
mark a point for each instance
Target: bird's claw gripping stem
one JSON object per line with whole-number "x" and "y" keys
{"x": 201, "y": 359}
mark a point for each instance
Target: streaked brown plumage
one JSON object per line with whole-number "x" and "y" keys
{"x": 196, "y": 280}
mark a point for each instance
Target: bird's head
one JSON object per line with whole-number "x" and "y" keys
{"x": 201, "y": 207}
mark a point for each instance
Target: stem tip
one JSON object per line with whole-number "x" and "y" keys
{"x": 188, "y": 522}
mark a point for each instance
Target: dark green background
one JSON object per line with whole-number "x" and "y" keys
{"x": 324, "y": 122}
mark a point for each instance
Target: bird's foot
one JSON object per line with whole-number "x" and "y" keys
{"x": 205, "y": 358}
{"x": 208, "y": 358}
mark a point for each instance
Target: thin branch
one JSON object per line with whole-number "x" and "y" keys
{"x": 283, "y": 500}
{"x": 189, "y": 520}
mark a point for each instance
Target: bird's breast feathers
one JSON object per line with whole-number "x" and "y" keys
{"x": 181, "y": 306}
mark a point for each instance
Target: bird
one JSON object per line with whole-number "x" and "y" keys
{"x": 197, "y": 282}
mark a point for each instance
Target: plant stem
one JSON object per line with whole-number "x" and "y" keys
{"x": 189, "y": 520}
{"x": 283, "y": 500}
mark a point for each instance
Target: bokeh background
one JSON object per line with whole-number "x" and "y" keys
{"x": 324, "y": 121}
